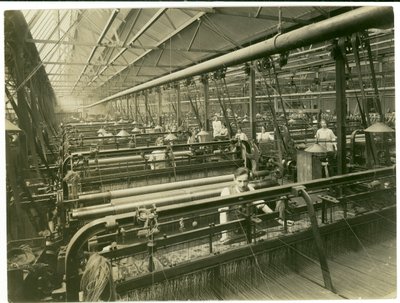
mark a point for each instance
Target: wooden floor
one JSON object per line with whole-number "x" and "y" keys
{"x": 366, "y": 274}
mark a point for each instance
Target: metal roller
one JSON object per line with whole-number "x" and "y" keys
{"x": 107, "y": 196}
{"x": 132, "y": 203}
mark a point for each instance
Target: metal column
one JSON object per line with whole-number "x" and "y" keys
{"x": 128, "y": 108}
{"x": 341, "y": 111}
{"x": 159, "y": 107}
{"x": 252, "y": 97}
{"x": 136, "y": 108}
{"x": 146, "y": 106}
{"x": 178, "y": 104}
{"x": 206, "y": 106}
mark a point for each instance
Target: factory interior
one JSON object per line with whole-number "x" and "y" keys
{"x": 200, "y": 153}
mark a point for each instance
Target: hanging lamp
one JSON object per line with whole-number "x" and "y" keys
{"x": 135, "y": 130}
{"x": 379, "y": 127}
{"x": 123, "y": 133}
{"x": 170, "y": 137}
{"x": 316, "y": 149}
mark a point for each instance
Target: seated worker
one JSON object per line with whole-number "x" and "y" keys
{"x": 240, "y": 135}
{"x": 216, "y": 126}
{"x": 158, "y": 155}
{"x": 191, "y": 137}
{"x": 254, "y": 156}
{"x": 241, "y": 184}
{"x": 263, "y": 136}
{"x": 223, "y": 133}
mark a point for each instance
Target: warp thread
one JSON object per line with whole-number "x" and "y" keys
{"x": 97, "y": 283}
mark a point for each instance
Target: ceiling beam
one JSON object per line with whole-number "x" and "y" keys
{"x": 170, "y": 21}
{"x": 199, "y": 9}
{"x": 194, "y": 35}
{"x": 258, "y": 12}
{"x": 77, "y": 63}
{"x": 265, "y": 17}
{"x": 321, "y": 11}
{"x": 344, "y": 24}
{"x": 110, "y": 21}
{"x": 145, "y": 27}
{"x": 166, "y": 38}
{"x": 114, "y": 45}
{"x": 54, "y": 30}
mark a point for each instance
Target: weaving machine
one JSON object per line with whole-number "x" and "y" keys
{"x": 152, "y": 250}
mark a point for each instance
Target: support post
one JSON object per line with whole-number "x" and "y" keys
{"x": 159, "y": 107}
{"x": 128, "y": 109}
{"x": 206, "y": 105}
{"x": 252, "y": 97}
{"x": 178, "y": 104}
{"x": 146, "y": 106}
{"x": 341, "y": 107}
{"x": 136, "y": 108}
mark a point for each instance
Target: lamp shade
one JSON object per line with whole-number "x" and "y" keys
{"x": 101, "y": 131}
{"x": 10, "y": 127}
{"x": 316, "y": 149}
{"x": 170, "y": 137}
{"x": 136, "y": 130}
{"x": 158, "y": 127}
{"x": 379, "y": 127}
{"x": 203, "y": 136}
{"x": 123, "y": 133}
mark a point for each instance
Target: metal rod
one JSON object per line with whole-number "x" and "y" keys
{"x": 318, "y": 240}
{"x": 253, "y": 107}
{"x": 130, "y": 192}
{"x": 153, "y": 188}
{"x": 341, "y": 106}
{"x": 344, "y": 24}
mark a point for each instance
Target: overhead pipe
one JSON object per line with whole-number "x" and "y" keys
{"x": 109, "y": 195}
{"x": 344, "y": 24}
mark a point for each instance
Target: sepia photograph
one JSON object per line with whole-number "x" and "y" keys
{"x": 174, "y": 151}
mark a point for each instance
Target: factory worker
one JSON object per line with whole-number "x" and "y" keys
{"x": 158, "y": 155}
{"x": 263, "y": 137}
{"x": 224, "y": 133}
{"x": 326, "y": 137}
{"x": 240, "y": 135}
{"x": 191, "y": 137}
{"x": 241, "y": 184}
{"x": 216, "y": 125}
{"x": 254, "y": 156}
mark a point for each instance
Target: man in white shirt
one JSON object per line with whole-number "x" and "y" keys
{"x": 326, "y": 137}
{"x": 158, "y": 155}
{"x": 240, "y": 135}
{"x": 216, "y": 125}
{"x": 241, "y": 184}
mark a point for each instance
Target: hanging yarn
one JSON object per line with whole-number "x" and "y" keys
{"x": 97, "y": 283}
